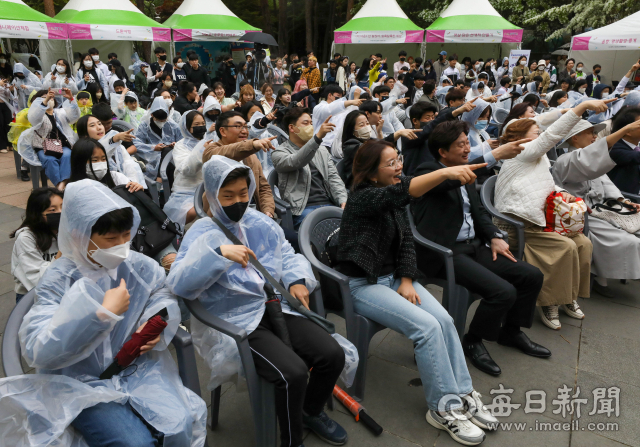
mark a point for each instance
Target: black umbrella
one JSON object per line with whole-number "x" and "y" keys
{"x": 263, "y": 38}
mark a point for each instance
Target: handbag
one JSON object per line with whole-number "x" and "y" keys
{"x": 618, "y": 214}
{"x": 293, "y": 302}
{"x": 52, "y": 146}
{"x": 566, "y": 219}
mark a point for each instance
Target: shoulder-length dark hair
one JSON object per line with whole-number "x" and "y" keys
{"x": 67, "y": 71}
{"x": 516, "y": 112}
{"x": 557, "y": 96}
{"x": 39, "y": 201}
{"x": 93, "y": 89}
{"x": 81, "y": 154}
{"x": 364, "y": 69}
{"x": 367, "y": 161}
{"x": 82, "y": 67}
{"x": 350, "y": 125}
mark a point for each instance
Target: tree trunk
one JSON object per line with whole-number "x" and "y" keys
{"x": 328, "y": 34}
{"x": 49, "y": 9}
{"x": 283, "y": 40}
{"x": 266, "y": 16}
{"x": 315, "y": 29}
{"x": 349, "y": 8}
{"x": 308, "y": 4}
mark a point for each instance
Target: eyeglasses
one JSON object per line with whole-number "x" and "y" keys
{"x": 394, "y": 163}
{"x": 237, "y": 126}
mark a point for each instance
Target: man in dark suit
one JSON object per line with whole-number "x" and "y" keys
{"x": 415, "y": 92}
{"x": 593, "y": 78}
{"x": 626, "y": 174}
{"x": 451, "y": 215}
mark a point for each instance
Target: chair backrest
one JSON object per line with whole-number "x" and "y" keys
{"x": 198, "y": 203}
{"x": 487, "y": 192}
{"x": 273, "y": 180}
{"x": 166, "y": 184}
{"x": 312, "y": 236}
{"x": 11, "y": 354}
{"x": 121, "y": 126}
{"x": 500, "y": 114}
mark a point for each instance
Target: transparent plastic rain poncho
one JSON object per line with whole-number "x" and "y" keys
{"x": 133, "y": 117}
{"x": 146, "y": 139}
{"x": 70, "y": 338}
{"x": 30, "y": 80}
{"x": 254, "y": 132}
{"x": 477, "y": 139}
{"x": 121, "y": 160}
{"x": 59, "y": 83}
{"x": 136, "y": 63}
{"x": 9, "y": 99}
{"x": 506, "y": 102}
{"x": 442, "y": 94}
{"x": 211, "y": 103}
{"x": 104, "y": 84}
{"x": 227, "y": 290}
{"x": 65, "y": 116}
{"x": 187, "y": 158}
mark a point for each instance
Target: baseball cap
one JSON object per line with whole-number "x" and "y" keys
{"x": 442, "y": 53}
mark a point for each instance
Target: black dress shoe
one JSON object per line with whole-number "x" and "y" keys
{"x": 479, "y": 357}
{"x": 24, "y": 176}
{"x": 522, "y": 342}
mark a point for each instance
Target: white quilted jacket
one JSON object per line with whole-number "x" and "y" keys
{"x": 525, "y": 182}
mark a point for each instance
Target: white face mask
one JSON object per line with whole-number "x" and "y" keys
{"x": 160, "y": 124}
{"x": 61, "y": 68}
{"x": 96, "y": 57}
{"x": 582, "y": 89}
{"x": 180, "y": 65}
{"x": 523, "y": 63}
{"x": 99, "y": 170}
{"x": 478, "y": 66}
{"x": 169, "y": 101}
{"x": 110, "y": 258}
{"x": 51, "y": 104}
{"x": 88, "y": 64}
{"x": 364, "y": 133}
{"x": 168, "y": 83}
{"x": 3, "y": 61}
{"x": 99, "y": 95}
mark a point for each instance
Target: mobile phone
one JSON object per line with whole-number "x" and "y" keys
{"x": 60, "y": 92}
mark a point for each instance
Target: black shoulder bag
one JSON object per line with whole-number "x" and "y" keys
{"x": 273, "y": 284}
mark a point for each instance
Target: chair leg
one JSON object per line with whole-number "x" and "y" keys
{"x": 269, "y": 428}
{"x": 330, "y": 403}
{"x": 624, "y": 281}
{"x": 35, "y": 176}
{"x": 364, "y": 332}
{"x": 215, "y": 407}
{"x": 18, "y": 161}
{"x": 43, "y": 178}
{"x": 458, "y": 309}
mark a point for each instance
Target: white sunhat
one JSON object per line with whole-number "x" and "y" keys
{"x": 580, "y": 127}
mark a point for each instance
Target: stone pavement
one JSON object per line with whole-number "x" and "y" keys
{"x": 603, "y": 351}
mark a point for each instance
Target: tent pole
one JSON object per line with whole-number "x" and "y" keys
{"x": 69, "y": 46}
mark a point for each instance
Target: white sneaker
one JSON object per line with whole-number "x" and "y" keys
{"x": 573, "y": 310}
{"x": 550, "y": 316}
{"x": 458, "y": 427}
{"x": 480, "y": 415}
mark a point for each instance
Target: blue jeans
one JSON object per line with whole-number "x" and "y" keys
{"x": 114, "y": 425}
{"x": 297, "y": 220}
{"x": 56, "y": 169}
{"x": 439, "y": 355}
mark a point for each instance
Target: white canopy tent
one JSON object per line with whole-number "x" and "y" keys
{"x": 615, "y": 47}
{"x": 472, "y": 28}
{"x": 380, "y": 26}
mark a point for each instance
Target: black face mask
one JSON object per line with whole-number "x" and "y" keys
{"x": 383, "y": 98}
{"x": 20, "y": 76}
{"x": 295, "y": 61}
{"x": 402, "y": 59}
{"x": 596, "y": 71}
{"x": 163, "y": 58}
{"x": 199, "y": 131}
{"x": 235, "y": 211}
{"x": 53, "y": 221}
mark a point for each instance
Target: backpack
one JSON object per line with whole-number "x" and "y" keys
{"x": 156, "y": 231}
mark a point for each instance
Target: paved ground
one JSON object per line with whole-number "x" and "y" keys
{"x": 602, "y": 352}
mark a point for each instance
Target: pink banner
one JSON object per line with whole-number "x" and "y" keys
{"x": 182, "y": 35}
{"x": 435, "y": 36}
{"x": 79, "y": 32}
{"x": 161, "y": 34}
{"x": 512, "y": 35}
{"x": 580, "y": 43}
{"x": 342, "y": 36}
{"x": 414, "y": 37}
{"x": 57, "y": 31}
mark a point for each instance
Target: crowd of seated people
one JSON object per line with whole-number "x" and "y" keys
{"x": 381, "y": 147}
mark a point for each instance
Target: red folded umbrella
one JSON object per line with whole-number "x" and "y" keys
{"x": 131, "y": 349}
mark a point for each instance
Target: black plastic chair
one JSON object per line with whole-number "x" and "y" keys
{"x": 340, "y": 168}
{"x": 282, "y": 207}
{"x": 455, "y": 298}
{"x": 198, "y": 203}
{"x": 487, "y": 196}
{"x": 18, "y": 162}
{"x": 11, "y": 351}
{"x": 312, "y": 235}
{"x": 261, "y": 392}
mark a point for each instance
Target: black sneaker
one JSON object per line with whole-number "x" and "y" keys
{"x": 24, "y": 176}
{"x": 325, "y": 428}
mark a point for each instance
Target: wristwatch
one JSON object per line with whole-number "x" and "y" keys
{"x": 498, "y": 235}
